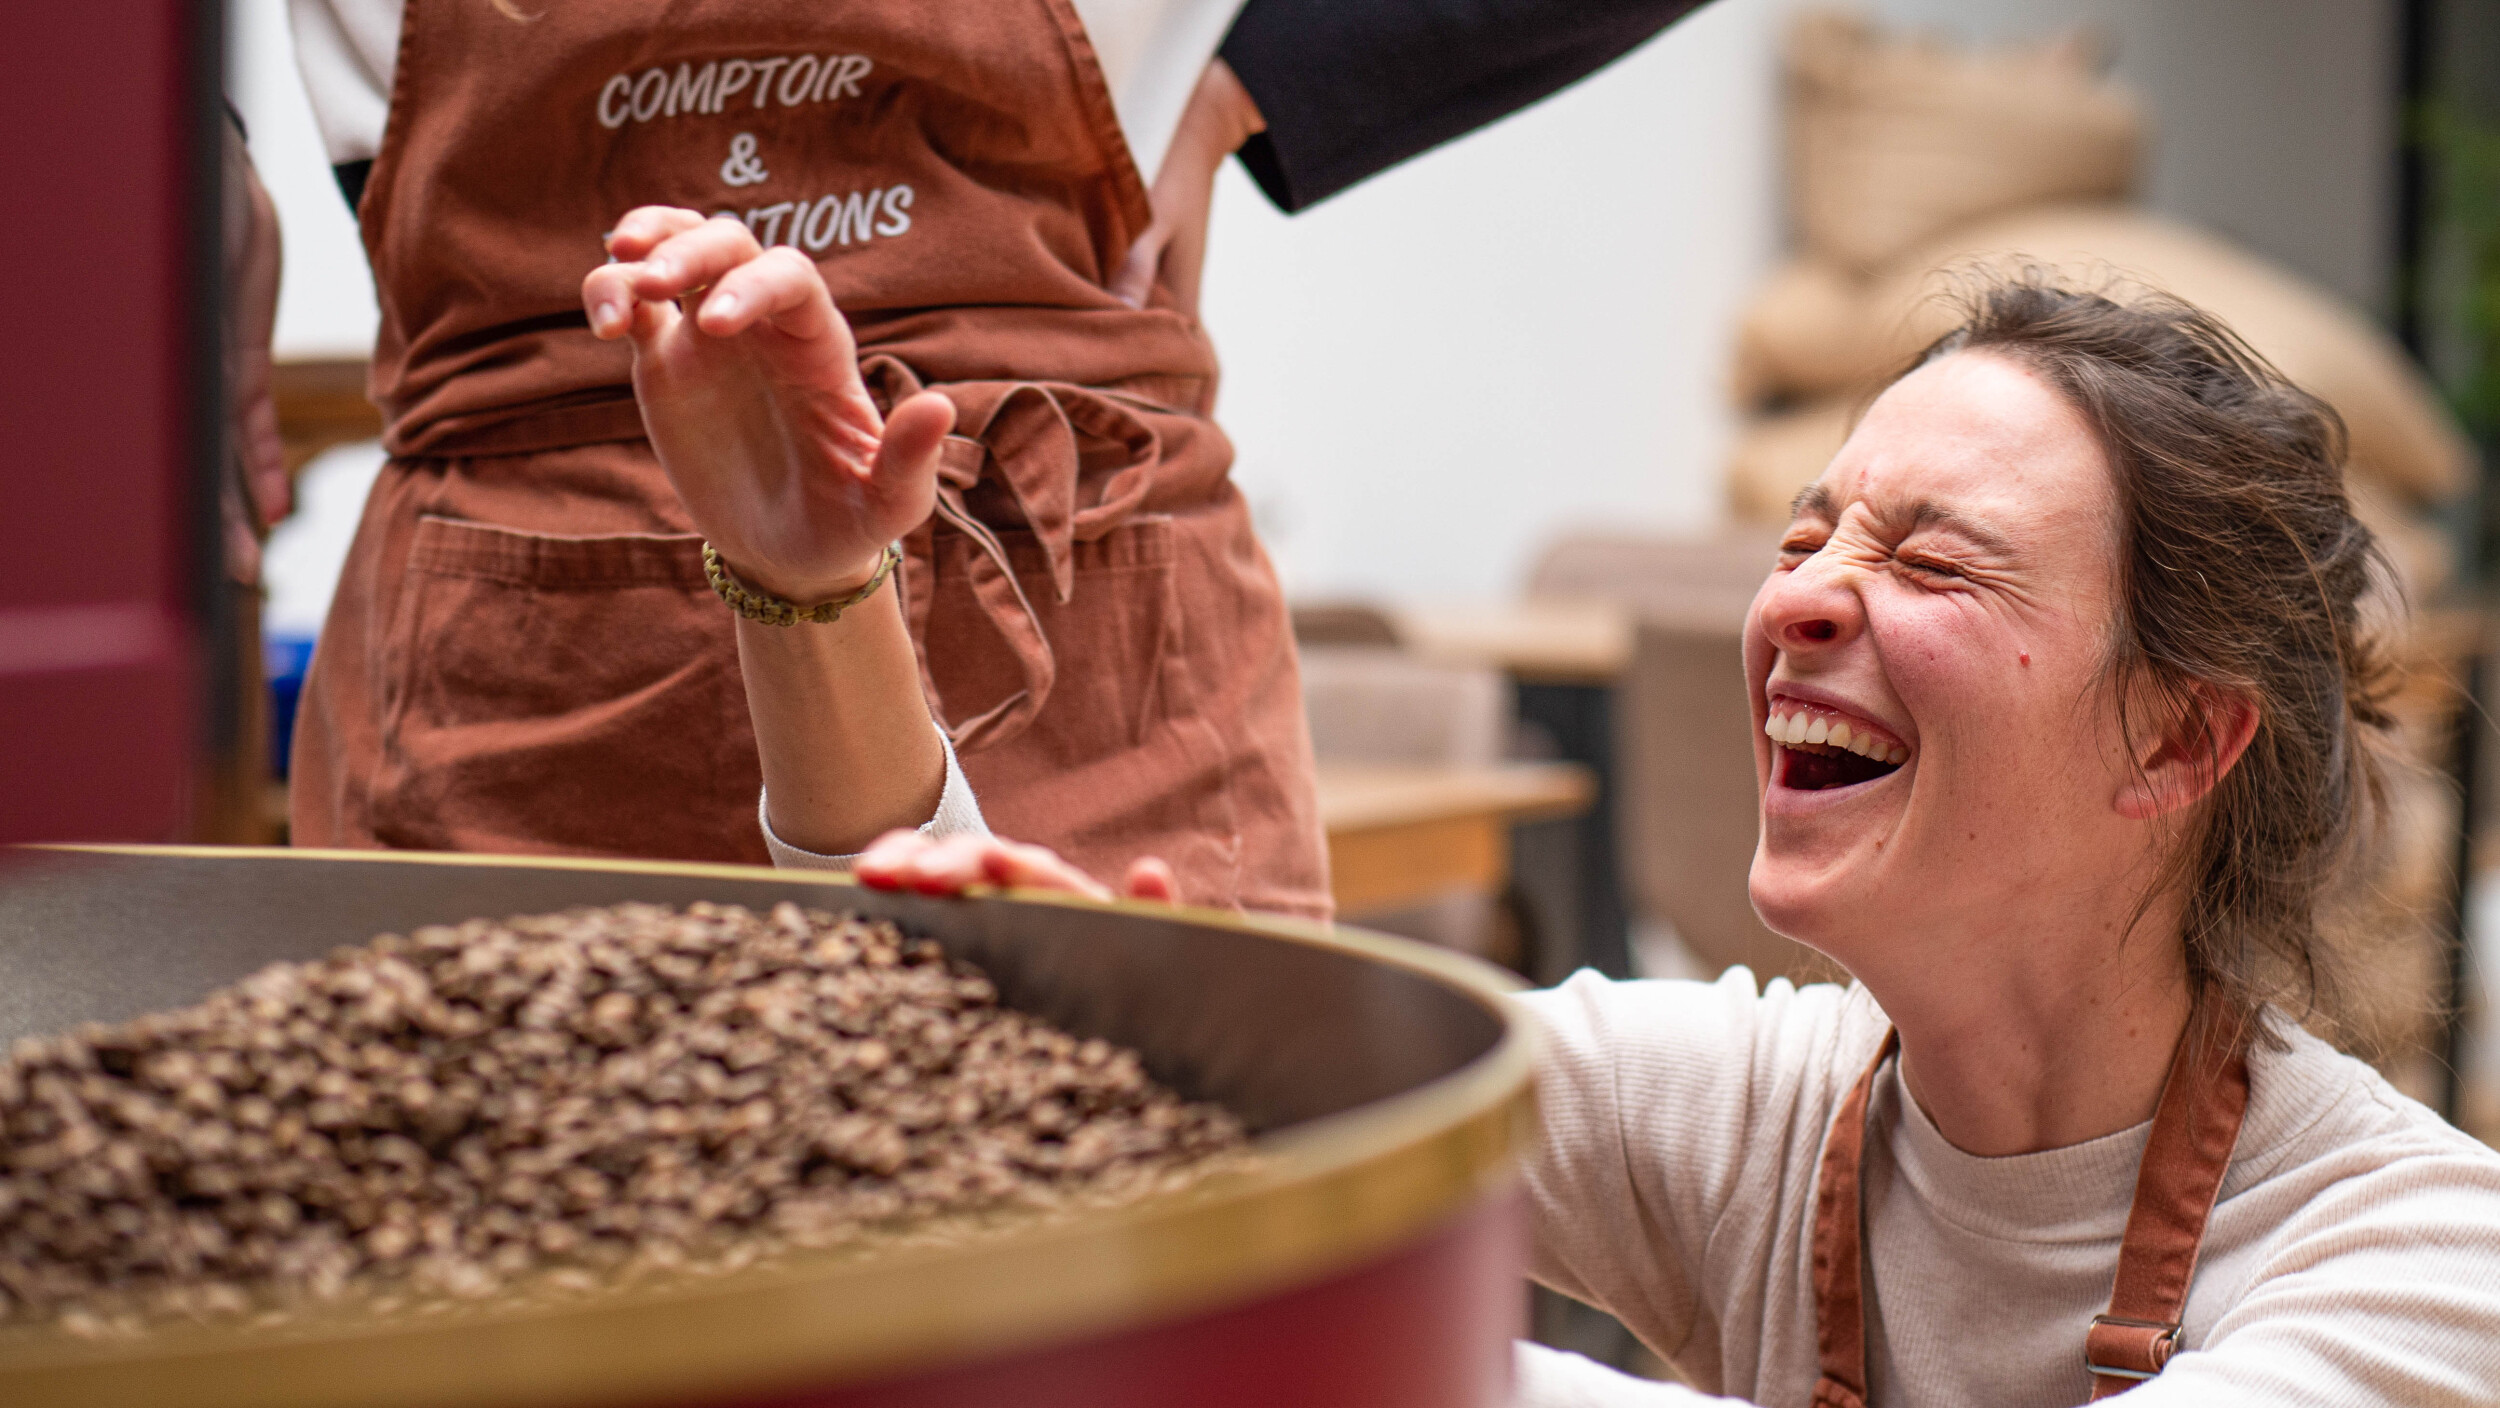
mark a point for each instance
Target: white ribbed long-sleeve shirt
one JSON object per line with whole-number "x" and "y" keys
{"x": 958, "y": 814}
{"x": 2353, "y": 1258}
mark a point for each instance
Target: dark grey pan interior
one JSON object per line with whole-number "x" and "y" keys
{"x": 1278, "y": 1031}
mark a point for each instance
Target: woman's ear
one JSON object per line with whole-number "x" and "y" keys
{"x": 2196, "y": 748}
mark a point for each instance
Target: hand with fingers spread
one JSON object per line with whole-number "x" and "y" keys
{"x": 750, "y": 390}
{"x": 907, "y": 860}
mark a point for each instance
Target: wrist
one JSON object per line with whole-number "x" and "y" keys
{"x": 1238, "y": 111}
{"x": 803, "y": 589}
{"x": 762, "y": 604}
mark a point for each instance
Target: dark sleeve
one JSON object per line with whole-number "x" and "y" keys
{"x": 351, "y": 178}
{"x": 1351, "y": 88}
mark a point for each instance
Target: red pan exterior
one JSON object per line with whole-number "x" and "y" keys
{"x": 1370, "y": 1254}
{"x": 1427, "y": 1326}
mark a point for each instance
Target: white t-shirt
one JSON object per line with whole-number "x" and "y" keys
{"x": 2353, "y": 1258}
{"x": 1152, "y": 52}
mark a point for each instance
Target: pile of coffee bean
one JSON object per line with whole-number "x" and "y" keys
{"x": 592, "y": 1093}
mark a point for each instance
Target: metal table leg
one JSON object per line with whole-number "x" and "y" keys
{"x": 1580, "y": 719}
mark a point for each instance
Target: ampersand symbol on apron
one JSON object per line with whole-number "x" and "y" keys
{"x": 743, "y": 167}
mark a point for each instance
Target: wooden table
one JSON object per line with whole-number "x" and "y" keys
{"x": 1564, "y": 656}
{"x": 1535, "y": 641}
{"x": 1402, "y": 835}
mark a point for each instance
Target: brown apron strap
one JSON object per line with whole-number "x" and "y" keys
{"x": 1839, "y": 1274}
{"x": 1022, "y": 436}
{"x": 2189, "y": 1150}
{"x": 2194, "y": 1130}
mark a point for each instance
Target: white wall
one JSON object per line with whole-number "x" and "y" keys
{"x": 325, "y": 301}
{"x": 1432, "y": 373}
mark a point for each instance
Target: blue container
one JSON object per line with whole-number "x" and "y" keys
{"x": 284, "y": 659}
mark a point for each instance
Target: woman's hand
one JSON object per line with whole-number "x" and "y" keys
{"x": 907, "y": 860}
{"x": 752, "y": 396}
{"x": 258, "y": 490}
{"x": 1220, "y": 116}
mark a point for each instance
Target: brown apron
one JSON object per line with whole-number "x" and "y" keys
{"x": 2194, "y": 1129}
{"x": 523, "y": 655}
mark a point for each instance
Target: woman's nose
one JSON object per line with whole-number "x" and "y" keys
{"x": 1804, "y": 609}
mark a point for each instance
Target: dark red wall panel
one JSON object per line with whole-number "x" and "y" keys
{"x": 101, "y": 395}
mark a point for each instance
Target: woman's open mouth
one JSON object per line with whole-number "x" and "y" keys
{"x": 1820, "y": 749}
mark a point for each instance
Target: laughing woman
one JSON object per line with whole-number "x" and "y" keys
{"x": 2069, "y": 729}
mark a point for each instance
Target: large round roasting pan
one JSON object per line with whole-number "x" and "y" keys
{"x": 1370, "y": 1257}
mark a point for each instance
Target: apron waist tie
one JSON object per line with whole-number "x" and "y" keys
{"x": 2194, "y": 1129}
{"x": 1022, "y": 436}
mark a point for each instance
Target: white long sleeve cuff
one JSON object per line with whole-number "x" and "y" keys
{"x": 958, "y": 814}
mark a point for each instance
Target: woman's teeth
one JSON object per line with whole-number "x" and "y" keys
{"x": 1802, "y": 727}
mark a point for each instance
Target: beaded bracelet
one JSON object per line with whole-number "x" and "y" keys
{"x": 773, "y": 611}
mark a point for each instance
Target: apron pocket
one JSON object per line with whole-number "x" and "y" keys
{"x": 1120, "y": 761}
{"x": 545, "y": 693}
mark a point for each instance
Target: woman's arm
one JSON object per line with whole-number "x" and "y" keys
{"x": 752, "y": 396}
{"x": 845, "y": 738}
{"x": 1173, "y": 251}
{"x": 2381, "y": 1287}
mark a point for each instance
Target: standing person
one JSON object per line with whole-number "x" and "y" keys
{"x": 228, "y": 801}
{"x": 523, "y": 653}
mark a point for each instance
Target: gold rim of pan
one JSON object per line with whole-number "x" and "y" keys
{"x": 1320, "y": 1198}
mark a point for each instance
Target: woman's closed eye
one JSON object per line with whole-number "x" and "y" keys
{"x": 1930, "y": 567}
{"x": 1802, "y": 543}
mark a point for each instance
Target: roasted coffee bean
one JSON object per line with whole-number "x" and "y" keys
{"x": 568, "y": 1097}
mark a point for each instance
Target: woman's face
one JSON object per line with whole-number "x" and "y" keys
{"x": 1940, "y": 756}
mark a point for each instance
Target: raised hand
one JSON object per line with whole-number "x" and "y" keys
{"x": 752, "y": 397}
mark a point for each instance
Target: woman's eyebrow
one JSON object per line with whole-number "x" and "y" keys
{"x": 1930, "y": 514}
{"x": 1816, "y": 499}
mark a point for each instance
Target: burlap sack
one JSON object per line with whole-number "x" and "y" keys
{"x": 1893, "y": 141}
{"x": 1826, "y": 342}
{"x": 1805, "y": 334}
{"x": 1778, "y": 454}
{"x": 2387, "y": 925}
{"x": 2418, "y": 549}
